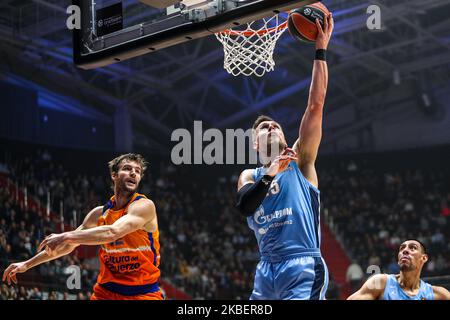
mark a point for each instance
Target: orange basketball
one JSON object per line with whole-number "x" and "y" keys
{"x": 301, "y": 22}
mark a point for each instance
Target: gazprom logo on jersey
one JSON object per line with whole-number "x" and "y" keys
{"x": 260, "y": 218}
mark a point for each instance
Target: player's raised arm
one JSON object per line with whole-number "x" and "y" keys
{"x": 10, "y": 274}
{"x": 441, "y": 293}
{"x": 310, "y": 132}
{"x": 140, "y": 214}
{"x": 372, "y": 289}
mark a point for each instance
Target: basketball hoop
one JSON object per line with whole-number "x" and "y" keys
{"x": 249, "y": 51}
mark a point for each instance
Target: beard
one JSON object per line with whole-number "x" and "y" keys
{"x": 274, "y": 146}
{"x": 407, "y": 267}
{"x": 122, "y": 188}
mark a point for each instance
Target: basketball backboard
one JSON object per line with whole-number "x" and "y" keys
{"x": 116, "y": 30}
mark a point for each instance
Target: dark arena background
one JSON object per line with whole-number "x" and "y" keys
{"x": 383, "y": 164}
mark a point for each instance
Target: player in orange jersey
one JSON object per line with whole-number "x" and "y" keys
{"x": 127, "y": 230}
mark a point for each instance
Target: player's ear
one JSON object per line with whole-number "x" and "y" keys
{"x": 425, "y": 258}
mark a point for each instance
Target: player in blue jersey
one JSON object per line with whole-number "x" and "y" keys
{"x": 407, "y": 285}
{"x": 281, "y": 199}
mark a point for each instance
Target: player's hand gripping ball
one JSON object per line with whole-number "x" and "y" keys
{"x": 302, "y": 21}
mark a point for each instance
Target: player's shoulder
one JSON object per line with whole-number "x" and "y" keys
{"x": 440, "y": 293}
{"x": 95, "y": 212}
{"x": 378, "y": 281}
{"x": 380, "y": 277}
{"x": 246, "y": 176}
{"x": 248, "y": 172}
{"x": 143, "y": 207}
{"x": 92, "y": 217}
{"x": 143, "y": 202}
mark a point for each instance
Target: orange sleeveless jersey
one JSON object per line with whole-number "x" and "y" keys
{"x": 128, "y": 266}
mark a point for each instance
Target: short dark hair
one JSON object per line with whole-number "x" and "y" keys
{"x": 424, "y": 250}
{"x": 260, "y": 119}
{"x": 115, "y": 163}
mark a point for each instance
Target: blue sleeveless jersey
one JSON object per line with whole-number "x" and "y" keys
{"x": 287, "y": 223}
{"x": 394, "y": 292}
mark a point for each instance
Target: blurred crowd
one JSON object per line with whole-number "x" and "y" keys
{"x": 207, "y": 249}
{"x": 372, "y": 211}
{"x": 20, "y": 234}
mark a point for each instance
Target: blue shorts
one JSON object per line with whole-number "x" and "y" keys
{"x": 301, "y": 278}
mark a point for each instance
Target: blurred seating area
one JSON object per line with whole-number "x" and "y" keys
{"x": 207, "y": 249}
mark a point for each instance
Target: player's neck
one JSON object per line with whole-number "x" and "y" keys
{"x": 121, "y": 199}
{"x": 265, "y": 159}
{"x": 409, "y": 280}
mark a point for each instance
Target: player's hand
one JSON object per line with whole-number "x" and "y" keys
{"x": 280, "y": 163}
{"x": 51, "y": 243}
{"x": 13, "y": 269}
{"x": 324, "y": 34}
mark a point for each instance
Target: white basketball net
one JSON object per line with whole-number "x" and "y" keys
{"x": 250, "y": 51}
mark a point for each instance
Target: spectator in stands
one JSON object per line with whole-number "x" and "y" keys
{"x": 4, "y": 292}
{"x": 35, "y": 294}
{"x": 53, "y": 295}
{"x": 354, "y": 275}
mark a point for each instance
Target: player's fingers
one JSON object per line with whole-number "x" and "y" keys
{"x": 42, "y": 245}
{"x": 325, "y": 23}
{"x": 288, "y": 151}
{"x": 14, "y": 278}
{"x": 9, "y": 277}
{"x": 6, "y": 272}
{"x": 280, "y": 158}
{"x": 319, "y": 26}
{"x": 285, "y": 165}
{"x": 286, "y": 162}
{"x": 331, "y": 24}
{"x": 282, "y": 166}
{"x": 289, "y": 157}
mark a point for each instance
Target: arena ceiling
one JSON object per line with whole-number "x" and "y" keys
{"x": 173, "y": 87}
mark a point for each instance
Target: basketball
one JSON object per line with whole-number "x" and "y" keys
{"x": 301, "y": 22}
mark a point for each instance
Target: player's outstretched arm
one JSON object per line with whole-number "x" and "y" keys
{"x": 441, "y": 293}
{"x": 372, "y": 289}
{"x": 10, "y": 273}
{"x": 310, "y": 132}
{"x": 141, "y": 214}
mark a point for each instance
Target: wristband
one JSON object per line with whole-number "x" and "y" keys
{"x": 321, "y": 54}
